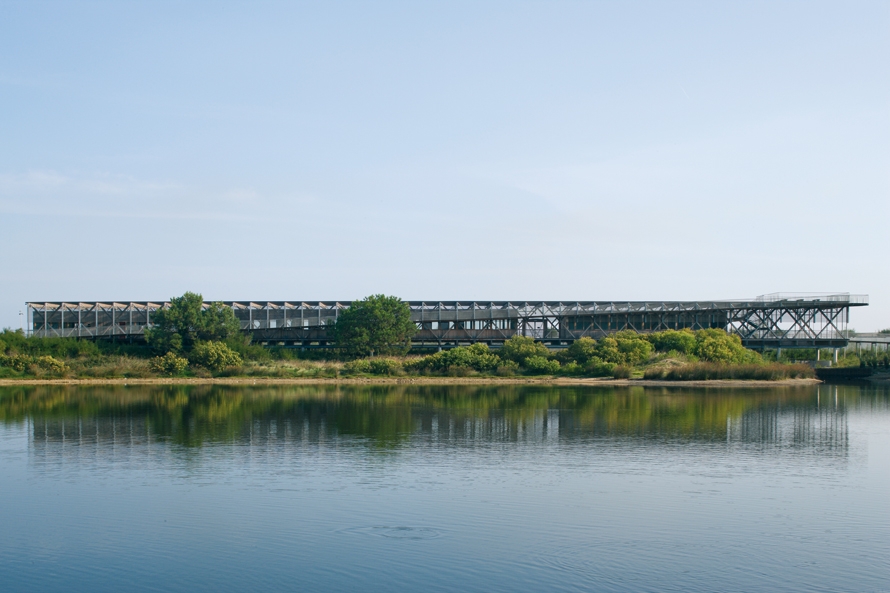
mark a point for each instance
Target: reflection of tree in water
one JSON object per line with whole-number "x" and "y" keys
{"x": 386, "y": 416}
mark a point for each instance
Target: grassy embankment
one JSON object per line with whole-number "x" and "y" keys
{"x": 664, "y": 356}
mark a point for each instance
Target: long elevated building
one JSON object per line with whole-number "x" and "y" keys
{"x": 769, "y": 321}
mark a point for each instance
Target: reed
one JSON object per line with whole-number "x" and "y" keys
{"x": 708, "y": 371}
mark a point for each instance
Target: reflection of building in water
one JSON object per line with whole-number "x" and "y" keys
{"x": 822, "y": 428}
{"x": 102, "y": 439}
{"x": 756, "y": 423}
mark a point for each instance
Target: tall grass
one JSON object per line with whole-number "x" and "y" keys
{"x": 708, "y": 371}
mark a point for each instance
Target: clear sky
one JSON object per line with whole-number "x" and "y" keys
{"x": 478, "y": 150}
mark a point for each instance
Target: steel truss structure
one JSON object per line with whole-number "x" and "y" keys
{"x": 770, "y": 321}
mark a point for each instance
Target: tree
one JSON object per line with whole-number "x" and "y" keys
{"x": 682, "y": 341}
{"x": 185, "y": 322}
{"x": 715, "y": 345}
{"x": 624, "y": 347}
{"x": 520, "y": 348}
{"x": 377, "y": 324}
{"x": 582, "y": 351}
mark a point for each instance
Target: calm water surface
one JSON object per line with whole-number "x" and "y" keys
{"x": 444, "y": 489}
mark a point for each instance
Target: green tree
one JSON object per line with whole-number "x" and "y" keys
{"x": 521, "y": 348}
{"x": 539, "y": 365}
{"x": 582, "y": 351}
{"x": 682, "y": 341}
{"x": 624, "y": 347}
{"x": 377, "y": 324}
{"x": 186, "y": 321}
{"x": 715, "y": 345}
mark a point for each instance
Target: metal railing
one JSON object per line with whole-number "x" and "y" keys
{"x": 810, "y": 297}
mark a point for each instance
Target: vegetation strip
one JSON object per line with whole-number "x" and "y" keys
{"x": 191, "y": 341}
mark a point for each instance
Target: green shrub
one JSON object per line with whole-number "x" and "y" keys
{"x": 240, "y": 344}
{"x": 107, "y": 348}
{"x": 624, "y": 347}
{"x": 582, "y": 351}
{"x": 476, "y": 357}
{"x": 571, "y": 368}
{"x": 682, "y": 341}
{"x": 373, "y": 366}
{"x": 520, "y": 348}
{"x": 169, "y": 364}
{"x": 17, "y": 362}
{"x": 538, "y": 365}
{"x": 621, "y": 372}
{"x": 17, "y": 342}
{"x": 214, "y": 356}
{"x": 507, "y": 368}
{"x": 356, "y": 367}
{"x": 599, "y": 368}
{"x": 874, "y": 359}
{"x": 715, "y": 345}
{"x": 385, "y": 366}
{"x": 51, "y": 364}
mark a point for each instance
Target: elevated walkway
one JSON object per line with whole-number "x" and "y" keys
{"x": 771, "y": 321}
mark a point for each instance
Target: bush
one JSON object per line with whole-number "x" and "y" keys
{"x": 624, "y": 347}
{"x": 476, "y": 357}
{"x": 538, "y": 365}
{"x": 873, "y": 359}
{"x": 48, "y": 363}
{"x": 240, "y": 344}
{"x": 582, "y": 351}
{"x": 571, "y": 368}
{"x": 214, "y": 356}
{"x": 521, "y": 348}
{"x": 682, "y": 341}
{"x": 169, "y": 364}
{"x": 595, "y": 367}
{"x": 599, "y": 368}
{"x": 356, "y": 367}
{"x": 385, "y": 366}
{"x": 17, "y": 342}
{"x": 17, "y": 362}
{"x": 507, "y": 368}
{"x": 715, "y": 345}
{"x": 621, "y": 372}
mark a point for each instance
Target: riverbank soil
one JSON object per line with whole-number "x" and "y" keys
{"x": 408, "y": 381}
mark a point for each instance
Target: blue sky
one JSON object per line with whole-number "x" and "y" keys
{"x": 478, "y": 150}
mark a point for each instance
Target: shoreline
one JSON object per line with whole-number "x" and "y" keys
{"x": 544, "y": 381}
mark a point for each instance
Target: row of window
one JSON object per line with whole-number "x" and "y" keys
{"x": 476, "y": 324}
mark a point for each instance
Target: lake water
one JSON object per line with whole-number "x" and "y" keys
{"x": 407, "y": 488}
